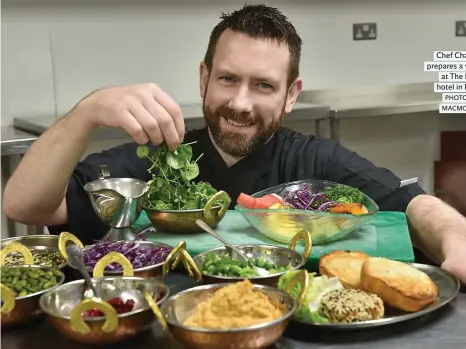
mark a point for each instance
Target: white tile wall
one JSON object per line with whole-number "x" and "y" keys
{"x": 54, "y": 52}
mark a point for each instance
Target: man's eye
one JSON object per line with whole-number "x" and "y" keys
{"x": 226, "y": 78}
{"x": 264, "y": 85}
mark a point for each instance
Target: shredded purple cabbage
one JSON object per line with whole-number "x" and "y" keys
{"x": 139, "y": 255}
{"x": 302, "y": 198}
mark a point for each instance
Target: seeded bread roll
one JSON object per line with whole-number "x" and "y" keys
{"x": 398, "y": 284}
{"x": 345, "y": 265}
{"x": 347, "y": 305}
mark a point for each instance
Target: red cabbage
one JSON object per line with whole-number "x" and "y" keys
{"x": 301, "y": 198}
{"x": 139, "y": 255}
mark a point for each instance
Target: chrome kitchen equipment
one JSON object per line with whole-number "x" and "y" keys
{"x": 115, "y": 200}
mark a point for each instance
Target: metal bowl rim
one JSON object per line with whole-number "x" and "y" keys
{"x": 30, "y": 237}
{"x": 35, "y": 247}
{"x": 198, "y": 210}
{"x": 146, "y": 268}
{"x": 58, "y": 284}
{"x": 112, "y": 179}
{"x": 243, "y": 209}
{"x": 260, "y": 326}
{"x": 303, "y": 262}
{"x": 101, "y": 318}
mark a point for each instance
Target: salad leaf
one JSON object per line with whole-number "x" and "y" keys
{"x": 318, "y": 286}
{"x": 172, "y": 186}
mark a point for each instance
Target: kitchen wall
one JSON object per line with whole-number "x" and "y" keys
{"x": 55, "y": 52}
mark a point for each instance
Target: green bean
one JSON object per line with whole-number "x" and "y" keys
{"x": 227, "y": 266}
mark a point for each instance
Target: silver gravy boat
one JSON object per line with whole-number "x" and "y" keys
{"x": 115, "y": 200}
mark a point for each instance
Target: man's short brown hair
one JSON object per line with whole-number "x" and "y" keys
{"x": 259, "y": 21}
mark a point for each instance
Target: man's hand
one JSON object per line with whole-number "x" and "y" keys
{"x": 440, "y": 232}
{"x": 144, "y": 111}
{"x": 455, "y": 262}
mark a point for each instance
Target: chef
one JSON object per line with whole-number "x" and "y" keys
{"x": 249, "y": 81}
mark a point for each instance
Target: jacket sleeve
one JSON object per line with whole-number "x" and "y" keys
{"x": 342, "y": 165}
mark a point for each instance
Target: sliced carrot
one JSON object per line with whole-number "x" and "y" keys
{"x": 355, "y": 209}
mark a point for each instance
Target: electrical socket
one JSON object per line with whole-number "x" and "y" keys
{"x": 460, "y": 28}
{"x": 364, "y": 31}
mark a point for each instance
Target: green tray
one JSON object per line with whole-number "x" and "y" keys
{"x": 386, "y": 235}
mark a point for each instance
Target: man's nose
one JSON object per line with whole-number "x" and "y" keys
{"x": 241, "y": 101}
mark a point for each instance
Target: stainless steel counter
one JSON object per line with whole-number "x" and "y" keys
{"x": 192, "y": 114}
{"x": 373, "y": 101}
{"x": 15, "y": 142}
{"x": 377, "y": 100}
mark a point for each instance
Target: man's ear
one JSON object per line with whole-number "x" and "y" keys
{"x": 293, "y": 92}
{"x": 203, "y": 78}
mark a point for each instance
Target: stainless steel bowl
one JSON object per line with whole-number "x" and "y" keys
{"x": 35, "y": 243}
{"x": 184, "y": 221}
{"x": 23, "y": 309}
{"x": 179, "y": 307}
{"x": 280, "y": 256}
{"x": 65, "y": 304}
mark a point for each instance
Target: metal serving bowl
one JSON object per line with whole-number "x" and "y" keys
{"x": 18, "y": 310}
{"x": 179, "y": 307}
{"x": 65, "y": 304}
{"x": 43, "y": 242}
{"x": 280, "y": 256}
{"x": 281, "y": 224}
{"x": 157, "y": 271}
{"x": 184, "y": 221}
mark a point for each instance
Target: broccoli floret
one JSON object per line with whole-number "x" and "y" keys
{"x": 344, "y": 194}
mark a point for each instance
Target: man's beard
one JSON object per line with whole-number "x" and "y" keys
{"x": 236, "y": 144}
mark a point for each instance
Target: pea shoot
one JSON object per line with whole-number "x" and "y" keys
{"x": 172, "y": 186}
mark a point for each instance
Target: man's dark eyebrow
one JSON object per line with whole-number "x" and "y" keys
{"x": 263, "y": 78}
{"x": 223, "y": 71}
{"x": 268, "y": 79}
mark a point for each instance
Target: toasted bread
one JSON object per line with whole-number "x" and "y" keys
{"x": 398, "y": 284}
{"x": 345, "y": 265}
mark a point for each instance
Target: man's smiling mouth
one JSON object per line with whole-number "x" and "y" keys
{"x": 239, "y": 124}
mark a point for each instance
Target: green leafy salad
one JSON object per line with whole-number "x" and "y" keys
{"x": 172, "y": 186}
{"x": 309, "y": 311}
{"x": 227, "y": 266}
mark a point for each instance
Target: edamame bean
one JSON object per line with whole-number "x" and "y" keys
{"x": 26, "y": 280}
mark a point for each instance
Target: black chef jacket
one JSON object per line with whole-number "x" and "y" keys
{"x": 288, "y": 156}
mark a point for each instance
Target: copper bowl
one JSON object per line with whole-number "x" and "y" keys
{"x": 157, "y": 271}
{"x": 280, "y": 256}
{"x": 184, "y": 221}
{"x": 42, "y": 242}
{"x": 179, "y": 307}
{"x": 65, "y": 304}
{"x": 18, "y": 310}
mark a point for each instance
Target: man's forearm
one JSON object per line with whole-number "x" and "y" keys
{"x": 38, "y": 185}
{"x": 436, "y": 226}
